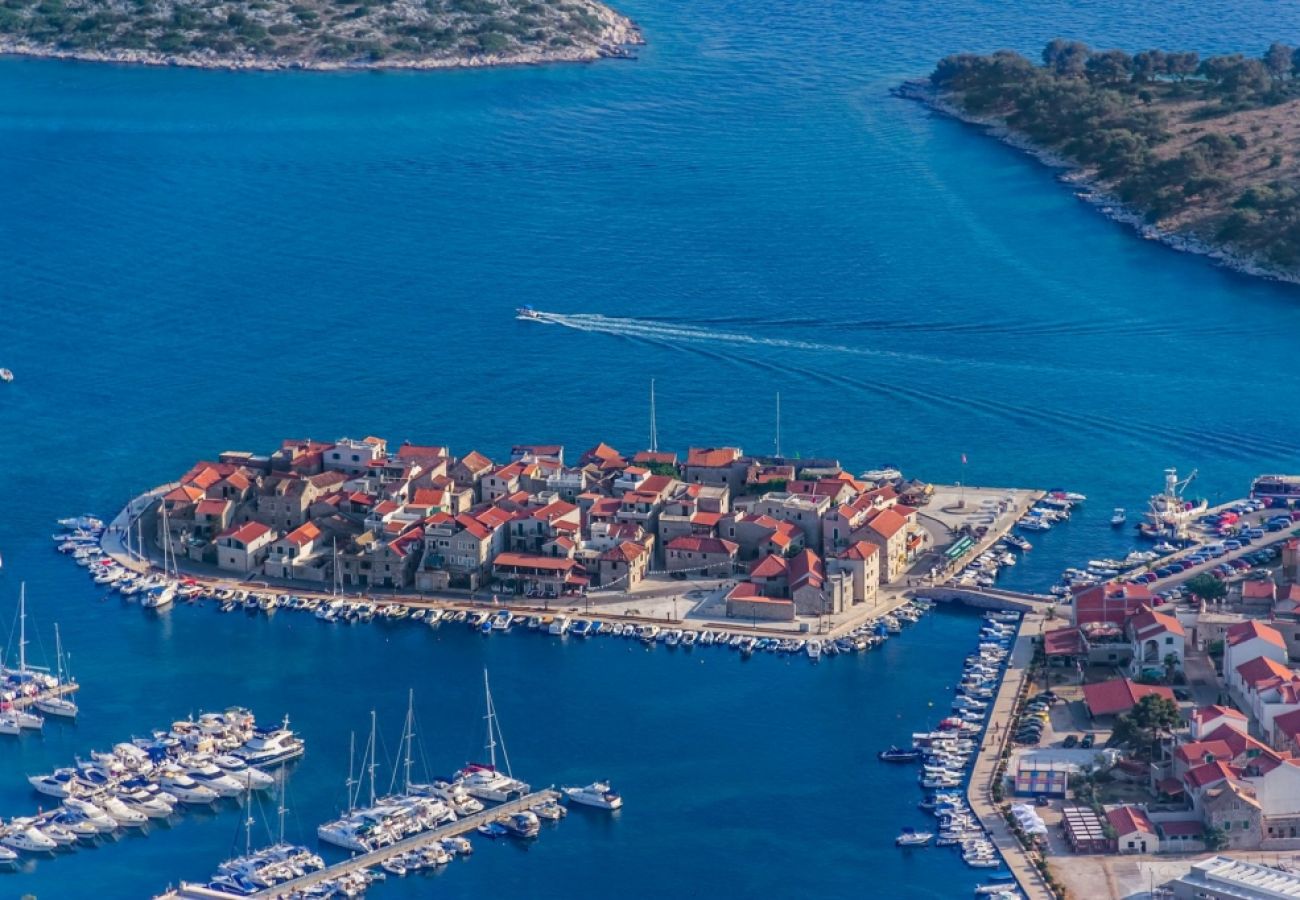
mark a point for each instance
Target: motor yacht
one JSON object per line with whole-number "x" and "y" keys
{"x": 91, "y": 814}
{"x": 598, "y": 794}
{"x": 486, "y": 783}
{"x": 210, "y": 775}
{"x": 271, "y": 747}
{"x": 559, "y": 625}
{"x": 523, "y": 824}
{"x": 186, "y": 789}
{"x": 247, "y": 776}
{"x": 27, "y": 838}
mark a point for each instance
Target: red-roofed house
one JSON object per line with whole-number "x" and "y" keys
{"x": 1257, "y": 674}
{"x": 771, "y": 575}
{"x": 1209, "y": 718}
{"x": 1119, "y": 695}
{"x": 888, "y": 530}
{"x": 757, "y": 536}
{"x": 624, "y": 566}
{"x": 1134, "y": 832}
{"x": 1158, "y": 641}
{"x": 352, "y": 456}
{"x": 543, "y": 576}
{"x": 243, "y": 548}
{"x": 861, "y": 562}
{"x": 701, "y": 556}
{"x": 1114, "y": 602}
{"x": 1246, "y": 641}
{"x": 716, "y": 465}
{"x": 1259, "y": 594}
{"x": 745, "y": 602}
{"x": 211, "y": 517}
{"x": 295, "y": 555}
{"x": 1191, "y": 754}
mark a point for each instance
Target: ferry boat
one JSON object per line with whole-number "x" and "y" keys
{"x": 1277, "y": 488}
{"x": 598, "y": 794}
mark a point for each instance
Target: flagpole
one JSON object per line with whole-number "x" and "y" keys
{"x": 962, "y": 502}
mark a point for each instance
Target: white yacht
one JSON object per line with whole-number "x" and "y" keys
{"x": 452, "y": 792}
{"x": 90, "y": 813}
{"x": 271, "y": 747}
{"x": 208, "y": 774}
{"x": 143, "y": 802}
{"x": 1118, "y": 518}
{"x": 598, "y": 794}
{"x": 186, "y": 789}
{"x": 60, "y": 707}
{"x": 27, "y": 720}
{"x": 559, "y": 625}
{"x": 247, "y": 776}
{"x": 7, "y": 857}
{"x": 119, "y": 811}
{"x": 27, "y": 838}
{"x": 813, "y": 649}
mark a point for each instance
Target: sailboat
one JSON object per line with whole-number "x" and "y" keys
{"x": 486, "y": 781}
{"x": 12, "y": 716}
{"x": 162, "y": 595}
{"x": 59, "y": 706}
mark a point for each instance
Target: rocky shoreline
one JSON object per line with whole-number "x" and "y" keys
{"x": 619, "y": 34}
{"x": 1090, "y": 190}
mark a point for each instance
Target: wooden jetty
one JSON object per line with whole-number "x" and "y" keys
{"x": 374, "y": 858}
{"x": 70, "y": 687}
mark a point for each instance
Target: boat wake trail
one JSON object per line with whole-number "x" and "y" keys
{"x": 650, "y": 329}
{"x": 705, "y": 342}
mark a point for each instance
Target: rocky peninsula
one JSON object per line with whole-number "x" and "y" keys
{"x": 317, "y": 34}
{"x": 1196, "y": 153}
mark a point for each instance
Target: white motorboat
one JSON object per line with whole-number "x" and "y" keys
{"x": 247, "y": 776}
{"x": 63, "y": 837}
{"x": 142, "y": 801}
{"x": 211, "y": 776}
{"x": 159, "y": 596}
{"x": 813, "y": 649}
{"x": 91, "y": 814}
{"x": 27, "y": 838}
{"x": 912, "y": 838}
{"x": 7, "y": 857}
{"x": 598, "y": 794}
{"x": 559, "y": 625}
{"x": 271, "y": 747}
{"x": 186, "y": 789}
{"x": 120, "y": 812}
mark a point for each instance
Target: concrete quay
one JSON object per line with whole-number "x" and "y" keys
{"x": 997, "y": 738}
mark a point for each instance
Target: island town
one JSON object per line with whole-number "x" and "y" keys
{"x": 1124, "y": 726}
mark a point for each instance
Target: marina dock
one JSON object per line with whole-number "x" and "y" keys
{"x": 62, "y": 690}
{"x": 373, "y": 859}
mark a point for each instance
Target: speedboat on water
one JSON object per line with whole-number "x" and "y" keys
{"x": 598, "y": 794}
{"x": 896, "y": 754}
{"x": 910, "y": 837}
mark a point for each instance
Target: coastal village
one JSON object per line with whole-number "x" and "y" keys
{"x": 796, "y": 538}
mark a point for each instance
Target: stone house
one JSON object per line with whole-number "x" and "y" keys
{"x": 701, "y": 556}
{"x": 243, "y": 548}
{"x": 623, "y": 567}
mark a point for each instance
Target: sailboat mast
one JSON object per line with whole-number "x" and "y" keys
{"x": 778, "y": 424}
{"x": 352, "y": 759}
{"x": 22, "y": 627}
{"x": 491, "y": 729}
{"x": 410, "y": 735}
{"x": 283, "y": 809}
{"x": 373, "y": 764}
{"x": 654, "y": 430}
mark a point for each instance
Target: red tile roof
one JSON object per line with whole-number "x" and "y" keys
{"x": 1182, "y": 828}
{"x": 696, "y": 544}
{"x": 770, "y": 566}
{"x": 532, "y": 561}
{"x": 1245, "y": 631}
{"x": 473, "y": 526}
{"x": 246, "y": 533}
{"x": 1207, "y": 774}
{"x": 860, "y": 550}
{"x": 1129, "y": 820}
{"x": 186, "y": 493}
{"x": 1210, "y": 713}
{"x": 416, "y": 451}
{"x": 476, "y": 462}
{"x": 1261, "y": 669}
{"x": 744, "y": 590}
{"x": 1258, "y": 590}
{"x": 712, "y": 457}
{"x": 1195, "y": 753}
{"x": 1063, "y": 642}
{"x": 628, "y": 552}
{"x": 886, "y": 523}
{"x": 1147, "y": 623}
{"x": 1113, "y": 602}
{"x": 1119, "y": 695}
{"x": 1288, "y": 723}
{"x": 303, "y": 534}
{"x": 212, "y": 507}
{"x": 806, "y": 568}
{"x": 646, "y": 457}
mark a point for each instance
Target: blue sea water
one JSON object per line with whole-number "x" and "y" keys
{"x": 196, "y": 261}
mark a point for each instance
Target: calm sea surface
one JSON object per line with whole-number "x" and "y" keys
{"x": 195, "y": 261}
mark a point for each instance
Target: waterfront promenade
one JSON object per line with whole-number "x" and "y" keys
{"x": 996, "y": 739}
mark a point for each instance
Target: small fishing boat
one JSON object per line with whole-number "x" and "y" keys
{"x": 910, "y": 837}
{"x": 1118, "y": 518}
{"x": 898, "y": 755}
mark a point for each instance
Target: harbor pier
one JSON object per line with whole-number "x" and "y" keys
{"x": 374, "y": 858}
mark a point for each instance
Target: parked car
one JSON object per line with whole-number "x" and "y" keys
{"x": 1070, "y": 741}
{"x": 1088, "y": 741}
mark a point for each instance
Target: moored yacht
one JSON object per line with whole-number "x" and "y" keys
{"x": 598, "y": 794}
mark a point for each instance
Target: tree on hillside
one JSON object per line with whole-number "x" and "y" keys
{"x": 1064, "y": 57}
{"x": 1108, "y": 67}
{"x": 1279, "y": 59}
{"x": 1181, "y": 65}
{"x": 1207, "y": 587}
{"x": 1143, "y": 725}
{"x": 1148, "y": 64}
